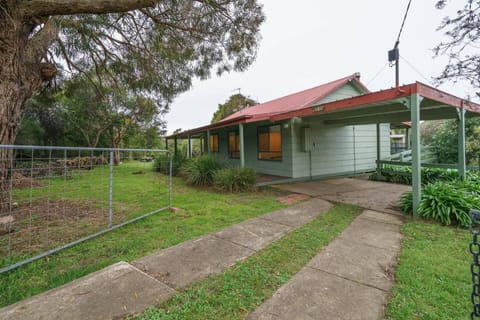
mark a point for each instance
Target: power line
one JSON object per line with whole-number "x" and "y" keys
{"x": 377, "y": 74}
{"x": 403, "y": 23}
{"x": 416, "y": 70}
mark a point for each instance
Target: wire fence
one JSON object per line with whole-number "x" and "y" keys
{"x": 52, "y": 198}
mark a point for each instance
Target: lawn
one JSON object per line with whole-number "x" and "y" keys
{"x": 239, "y": 290}
{"x": 433, "y": 279}
{"x": 62, "y": 207}
{"x": 201, "y": 211}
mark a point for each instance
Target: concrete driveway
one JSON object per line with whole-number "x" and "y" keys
{"x": 374, "y": 195}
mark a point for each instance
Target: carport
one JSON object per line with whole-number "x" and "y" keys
{"x": 413, "y": 102}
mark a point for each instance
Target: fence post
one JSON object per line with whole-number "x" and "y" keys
{"x": 170, "y": 182}
{"x": 110, "y": 191}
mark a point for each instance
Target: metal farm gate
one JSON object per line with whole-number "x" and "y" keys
{"x": 52, "y": 198}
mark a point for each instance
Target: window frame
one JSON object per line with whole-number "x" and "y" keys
{"x": 237, "y": 142}
{"x": 259, "y": 131}
{"x": 218, "y": 142}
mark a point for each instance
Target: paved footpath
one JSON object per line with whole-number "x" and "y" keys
{"x": 350, "y": 279}
{"x": 124, "y": 288}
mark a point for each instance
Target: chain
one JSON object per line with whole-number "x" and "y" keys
{"x": 475, "y": 266}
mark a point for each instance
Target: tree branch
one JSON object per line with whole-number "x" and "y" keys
{"x": 37, "y": 8}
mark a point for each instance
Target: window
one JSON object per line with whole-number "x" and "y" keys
{"x": 270, "y": 143}
{"x": 214, "y": 142}
{"x": 234, "y": 145}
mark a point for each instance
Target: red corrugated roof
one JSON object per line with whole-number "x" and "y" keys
{"x": 292, "y": 102}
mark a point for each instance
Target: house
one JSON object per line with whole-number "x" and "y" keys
{"x": 296, "y": 147}
{"x": 333, "y": 129}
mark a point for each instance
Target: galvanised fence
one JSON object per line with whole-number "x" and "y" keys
{"x": 52, "y": 198}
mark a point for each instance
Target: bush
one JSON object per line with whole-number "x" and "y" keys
{"x": 235, "y": 179}
{"x": 403, "y": 175}
{"x": 162, "y": 163}
{"x": 200, "y": 171}
{"x": 431, "y": 175}
{"x": 446, "y": 202}
{"x": 406, "y": 202}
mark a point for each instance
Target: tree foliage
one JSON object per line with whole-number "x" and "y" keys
{"x": 235, "y": 103}
{"x": 461, "y": 44}
{"x": 83, "y": 114}
{"x": 43, "y": 122}
{"x": 443, "y": 137}
{"x": 153, "y": 47}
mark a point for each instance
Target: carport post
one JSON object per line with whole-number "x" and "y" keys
{"x": 189, "y": 156}
{"x": 242, "y": 145}
{"x": 415, "y": 101}
{"x": 175, "y": 145}
{"x": 379, "y": 169}
{"x": 462, "y": 165}
{"x": 208, "y": 141}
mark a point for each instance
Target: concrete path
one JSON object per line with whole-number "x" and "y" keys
{"x": 350, "y": 279}
{"x": 123, "y": 289}
{"x": 379, "y": 196}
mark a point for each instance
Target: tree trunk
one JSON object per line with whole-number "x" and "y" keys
{"x": 19, "y": 79}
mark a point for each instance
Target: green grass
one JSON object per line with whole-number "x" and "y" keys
{"x": 137, "y": 192}
{"x": 201, "y": 211}
{"x": 433, "y": 279}
{"x": 241, "y": 289}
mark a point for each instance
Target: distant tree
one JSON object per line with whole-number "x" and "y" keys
{"x": 427, "y": 131}
{"x": 235, "y": 103}
{"x": 43, "y": 122}
{"x": 128, "y": 111}
{"x": 461, "y": 44}
{"x": 444, "y": 140}
{"x": 87, "y": 109}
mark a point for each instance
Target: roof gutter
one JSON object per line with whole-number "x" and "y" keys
{"x": 212, "y": 126}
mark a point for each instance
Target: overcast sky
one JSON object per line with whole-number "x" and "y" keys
{"x": 309, "y": 42}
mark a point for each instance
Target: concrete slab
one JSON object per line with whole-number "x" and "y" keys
{"x": 110, "y": 293}
{"x": 314, "y": 294}
{"x": 374, "y": 234}
{"x": 379, "y": 199}
{"x": 360, "y": 263}
{"x": 254, "y": 234}
{"x": 380, "y": 196}
{"x": 299, "y": 214}
{"x": 193, "y": 260}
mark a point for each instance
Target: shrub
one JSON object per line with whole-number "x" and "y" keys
{"x": 406, "y": 202}
{"x": 403, "y": 174}
{"x": 447, "y": 202}
{"x": 431, "y": 175}
{"x": 200, "y": 171}
{"x": 235, "y": 179}
{"x": 162, "y": 163}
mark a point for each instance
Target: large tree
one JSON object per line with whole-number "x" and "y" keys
{"x": 235, "y": 103}
{"x": 462, "y": 39}
{"x": 154, "y": 46}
